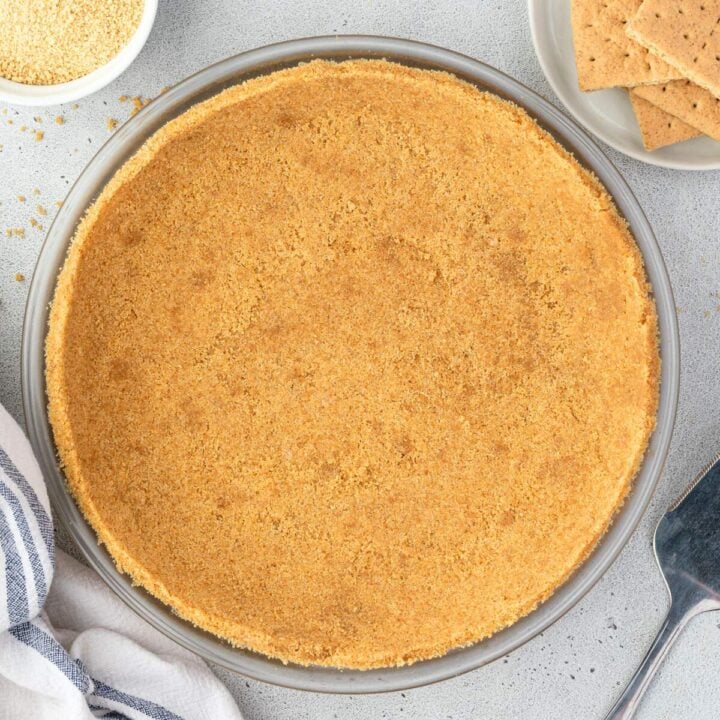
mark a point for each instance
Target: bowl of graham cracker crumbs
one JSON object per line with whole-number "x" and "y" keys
{"x": 59, "y": 52}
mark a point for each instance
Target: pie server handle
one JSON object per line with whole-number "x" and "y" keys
{"x": 683, "y": 607}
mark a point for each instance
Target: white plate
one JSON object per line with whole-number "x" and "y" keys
{"x": 606, "y": 113}
{"x": 21, "y": 94}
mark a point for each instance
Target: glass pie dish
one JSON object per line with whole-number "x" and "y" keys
{"x": 123, "y": 145}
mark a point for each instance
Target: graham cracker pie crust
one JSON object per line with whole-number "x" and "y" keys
{"x": 352, "y": 364}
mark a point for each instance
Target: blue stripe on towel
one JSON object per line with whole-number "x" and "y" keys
{"x": 18, "y": 610}
{"x": 27, "y": 538}
{"x": 146, "y": 707}
{"x": 36, "y": 638}
{"x": 108, "y": 714}
{"x": 43, "y": 519}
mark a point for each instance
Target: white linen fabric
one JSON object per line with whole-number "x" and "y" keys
{"x": 70, "y": 649}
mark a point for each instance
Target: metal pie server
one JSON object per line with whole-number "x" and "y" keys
{"x": 687, "y": 548}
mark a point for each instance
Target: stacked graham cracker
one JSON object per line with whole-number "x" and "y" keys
{"x": 665, "y": 52}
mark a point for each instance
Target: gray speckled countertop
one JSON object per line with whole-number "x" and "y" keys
{"x": 575, "y": 668}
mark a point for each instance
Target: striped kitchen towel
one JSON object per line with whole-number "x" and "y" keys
{"x": 69, "y": 649}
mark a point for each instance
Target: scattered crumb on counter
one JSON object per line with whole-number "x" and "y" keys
{"x": 111, "y": 123}
{"x": 36, "y": 191}
{"x": 21, "y": 198}
{"x": 19, "y": 277}
{"x": 123, "y": 98}
{"x": 60, "y": 120}
{"x": 75, "y": 106}
{"x": 138, "y": 104}
{"x": 58, "y": 203}
{"x": 41, "y": 210}
{"x": 37, "y": 119}
{"x": 39, "y": 135}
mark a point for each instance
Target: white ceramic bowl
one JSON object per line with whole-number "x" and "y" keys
{"x": 21, "y": 94}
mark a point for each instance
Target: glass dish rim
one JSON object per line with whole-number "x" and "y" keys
{"x": 123, "y": 144}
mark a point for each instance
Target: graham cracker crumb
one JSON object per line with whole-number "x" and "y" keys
{"x": 39, "y": 135}
{"x": 138, "y": 104}
{"x": 19, "y": 277}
